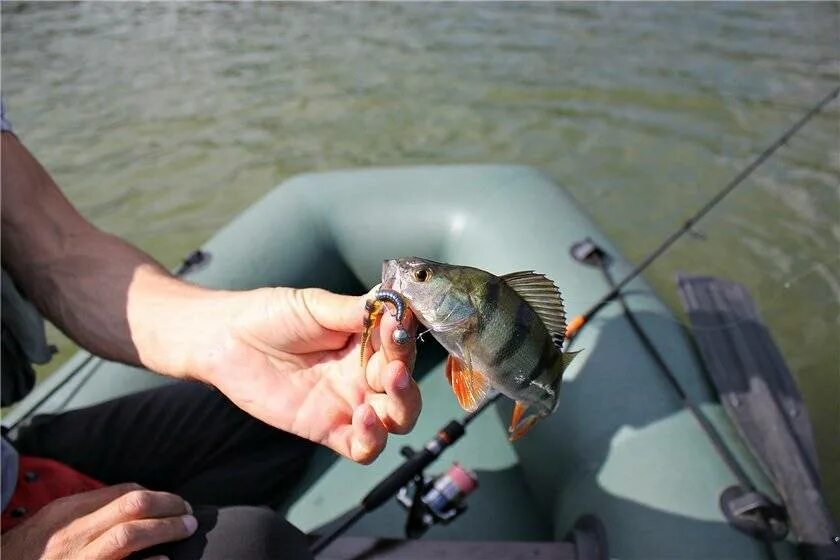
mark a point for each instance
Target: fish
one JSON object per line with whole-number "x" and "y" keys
{"x": 504, "y": 334}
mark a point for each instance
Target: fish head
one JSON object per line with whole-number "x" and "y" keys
{"x": 430, "y": 289}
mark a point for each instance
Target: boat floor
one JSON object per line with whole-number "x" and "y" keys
{"x": 360, "y": 548}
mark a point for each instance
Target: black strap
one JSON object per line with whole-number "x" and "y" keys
{"x": 18, "y": 375}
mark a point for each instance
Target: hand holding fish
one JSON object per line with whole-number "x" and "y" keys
{"x": 291, "y": 358}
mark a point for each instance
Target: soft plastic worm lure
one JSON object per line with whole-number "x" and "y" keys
{"x": 375, "y": 307}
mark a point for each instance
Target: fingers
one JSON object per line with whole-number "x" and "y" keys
{"x": 399, "y": 406}
{"x": 388, "y": 373}
{"x": 368, "y": 435}
{"x": 135, "y": 505}
{"x": 346, "y": 314}
{"x": 385, "y": 350}
{"x": 334, "y": 311}
{"x": 121, "y": 540}
{"x": 395, "y": 411}
{"x": 88, "y": 502}
{"x": 115, "y": 521}
{"x": 405, "y": 353}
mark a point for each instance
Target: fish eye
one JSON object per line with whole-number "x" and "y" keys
{"x": 422, "y": 274}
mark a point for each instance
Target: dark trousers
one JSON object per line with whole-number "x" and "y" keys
{"x": 188, "y": 439}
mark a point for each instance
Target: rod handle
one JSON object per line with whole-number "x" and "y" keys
{"x": 413, "y": 466}
{"x": 397, "y": 479}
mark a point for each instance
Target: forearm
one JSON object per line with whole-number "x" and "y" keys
{"x": 117, "y": 302}
{"x": 81, "y": 282}
{"x": 107, "y": 295}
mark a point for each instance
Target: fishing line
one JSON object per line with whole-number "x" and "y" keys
{"x": 388, "y": 485}
{"x": 420, "y": 335}
{"x": 579, "y": 321}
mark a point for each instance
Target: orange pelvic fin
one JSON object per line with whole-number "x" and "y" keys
{"x": 375, "y": 309}
{"x": 470, "y": 387}
{"x": 518, "y": 426}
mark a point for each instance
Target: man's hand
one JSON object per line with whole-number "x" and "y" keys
{"x": 288, "y": 357}
{"x": 106, "y": 524}
{"x": 292, "y": 359}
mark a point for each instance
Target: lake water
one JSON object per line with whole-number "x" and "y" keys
{"x": 162, "y": 121}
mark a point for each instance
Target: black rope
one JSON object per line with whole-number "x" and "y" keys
{"x": 49, "y": 394}
{"x": 708, "y": 428}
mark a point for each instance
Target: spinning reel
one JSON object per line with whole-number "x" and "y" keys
{"x": 435, "y": 499}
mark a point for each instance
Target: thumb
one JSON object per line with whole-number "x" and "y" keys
{"x": 333, "y": 311}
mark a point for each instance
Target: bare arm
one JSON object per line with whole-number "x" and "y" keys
{"x": 108, "y": 296}
{"x": 288, "y": 357}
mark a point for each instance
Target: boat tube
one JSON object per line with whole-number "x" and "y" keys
{"x": 621, "y": 447}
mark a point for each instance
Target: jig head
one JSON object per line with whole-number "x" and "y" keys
{"x": 375, "y": 307}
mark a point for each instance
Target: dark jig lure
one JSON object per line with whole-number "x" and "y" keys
{"x": 375, "y": 307}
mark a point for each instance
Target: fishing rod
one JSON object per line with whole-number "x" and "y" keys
{"x": 770, "y": 519}
{"x": 410, "y": 470}
{"x": 579, "y": 321}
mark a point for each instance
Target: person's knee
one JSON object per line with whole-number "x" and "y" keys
{"x": 254, "y": 532}
{"x": 238, "y": 532}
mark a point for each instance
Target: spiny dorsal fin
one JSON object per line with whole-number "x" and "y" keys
{"x": 544, "y": 297}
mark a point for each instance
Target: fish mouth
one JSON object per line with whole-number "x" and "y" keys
{"x": 390, "y": 274}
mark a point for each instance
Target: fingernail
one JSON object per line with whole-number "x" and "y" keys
{"x": 370, "y": 417}
{"x": 189, "y": 507}
{"x": 190, "y": 522}
{"x": 403, "y": 379}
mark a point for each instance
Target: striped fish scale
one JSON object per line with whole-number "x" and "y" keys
{"x": 524, "y": 362}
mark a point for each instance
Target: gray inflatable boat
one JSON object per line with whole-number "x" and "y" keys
{"x": 623, "y": 469}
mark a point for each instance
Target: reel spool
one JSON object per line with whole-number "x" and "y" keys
{"x": 435, "y": 499}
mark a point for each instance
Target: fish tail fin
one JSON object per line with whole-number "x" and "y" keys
{"x": 556, "y": 375}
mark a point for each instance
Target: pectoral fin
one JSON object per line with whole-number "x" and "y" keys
{"x": 470, "y": 387}
{"x": 519, "y": 426}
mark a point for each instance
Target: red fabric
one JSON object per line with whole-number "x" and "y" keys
{"x": 39, "y": 482}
